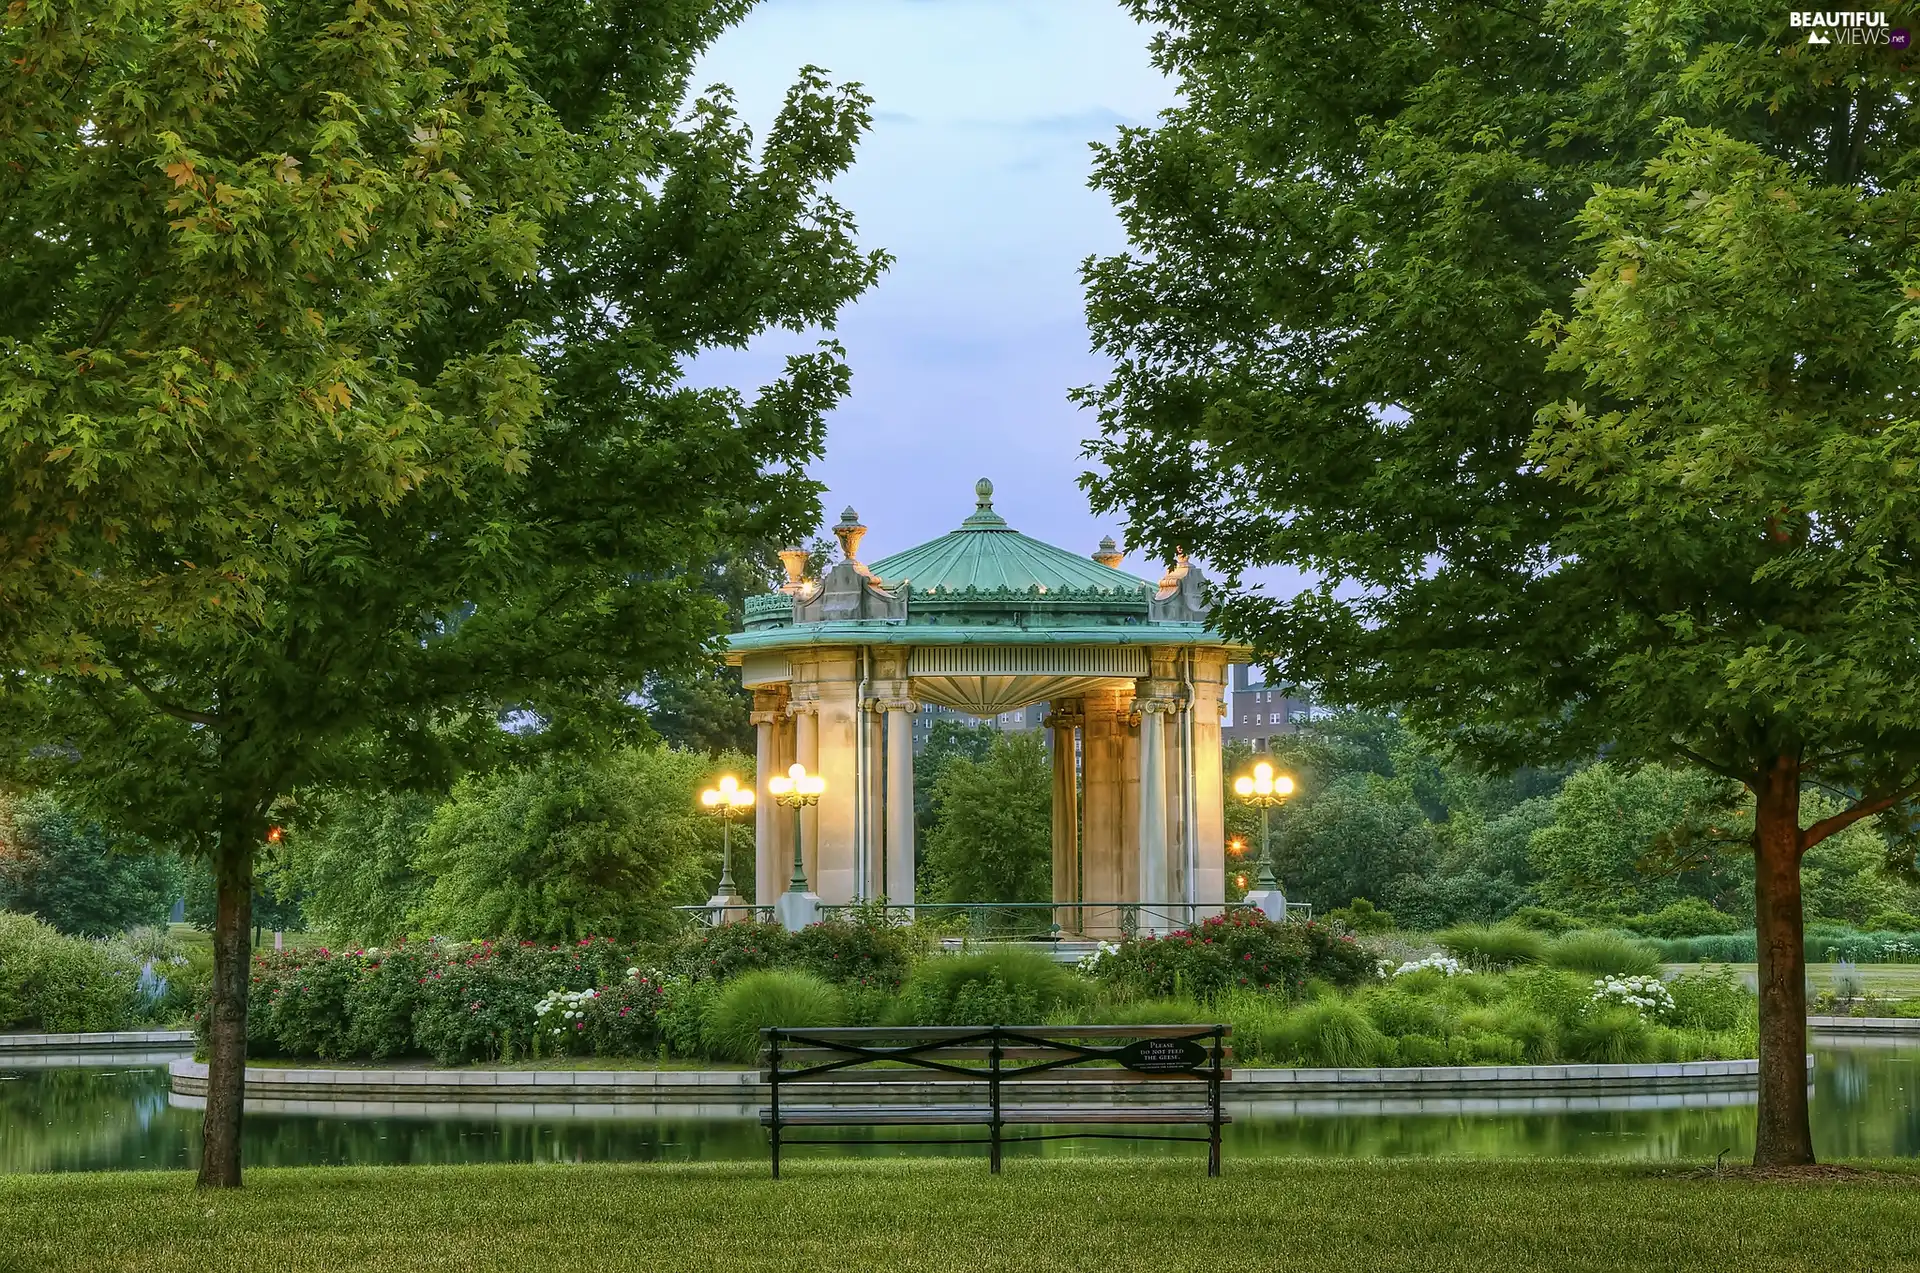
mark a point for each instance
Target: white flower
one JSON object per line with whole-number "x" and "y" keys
{"x": 1648, "y": 996}
{"x": 1444, "y": 964}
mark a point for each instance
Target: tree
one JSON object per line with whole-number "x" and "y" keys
{"x": 1344, "y": 239}
{"x": 947, "y": 741}
{"x": 353, "y": 424}
{"x": 707, "y": 708}
{"x": 77, "y": 875}
{"x": 1597, "y": 856}
{"x": 1350, "y": 839}
{"x": 992, "y": 839}
{"x": 567, "y": 849}
{"x": 352, "y": 857}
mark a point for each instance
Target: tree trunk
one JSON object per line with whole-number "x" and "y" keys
{"x": 1784, "y": 1137}
{"x": 227, "y": 1013}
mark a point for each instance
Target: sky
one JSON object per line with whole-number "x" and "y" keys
{"x": 975, "y": 178}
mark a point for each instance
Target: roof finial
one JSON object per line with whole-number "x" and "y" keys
{"x": 1109, "y": 555}
{"x": 983, "y": 494}
{"x": 795, "y": 560}
{"x": 849, "y": 532}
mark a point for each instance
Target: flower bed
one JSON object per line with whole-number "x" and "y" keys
{"x": 1295, "y": 994}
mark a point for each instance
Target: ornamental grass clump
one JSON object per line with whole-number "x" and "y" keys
{"x": 1493, "y": 946}
{"x": 757, "y": 1000}
{"x": 1602, "y": 953}
{"x": 1328, "y": 1032}
{"x": 1609, "y": 1036}
{"x": 1010, "y": 986}
{"x": 1713, "y": 1000}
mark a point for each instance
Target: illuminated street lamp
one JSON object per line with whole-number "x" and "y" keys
{"x": 1265, "y": 788}
{"x": 726, "y": 799}
{"x": 797, "y": 789}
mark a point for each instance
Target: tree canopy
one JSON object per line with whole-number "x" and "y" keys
{"x": 1572, "y": 348}
{"x": 341, "y": 401}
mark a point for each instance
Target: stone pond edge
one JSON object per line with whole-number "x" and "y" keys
{"x": 710, "y": 1089}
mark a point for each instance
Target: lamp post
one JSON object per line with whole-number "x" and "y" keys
{"x": 799, "y": 905}
{"x": 1266, "y": 789}
{"x": 725, "y": 799}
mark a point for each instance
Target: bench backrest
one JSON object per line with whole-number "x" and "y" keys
{"x": 999, "y": 1054}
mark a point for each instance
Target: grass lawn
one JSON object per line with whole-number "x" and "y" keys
{"x": 850, "y": 1214}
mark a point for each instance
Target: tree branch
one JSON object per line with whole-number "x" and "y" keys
{"x": 1724, "y": 771}
{"x": 171, "y": 709}
{"x": 1847, "y": 817}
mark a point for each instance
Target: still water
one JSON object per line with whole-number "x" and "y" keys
{"x": 1866, "y": 1104}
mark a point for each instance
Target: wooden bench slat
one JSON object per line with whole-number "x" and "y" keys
{"x": 905, "y": 1074}
{"x": 973, "y": 1115}
{"x": 924, "y": 1033}
{"x": 798, "y": 1056}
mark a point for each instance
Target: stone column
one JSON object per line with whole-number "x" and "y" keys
{"x": 834, "y": 678}
{"x": 806, "y": 751}
{"x": 1154, "y": 716}
{"x": 899, "y": 802}
{"x": 1157, "y": 699}
{"x": 873, "y": 793}
{"x": 772, "y": 825}
{"x": 1210, "y": 826}
{"x": 1109, "y": 864}
{"x": 1064, "y": 721}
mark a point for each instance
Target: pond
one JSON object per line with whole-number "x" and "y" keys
{"x": 1866, "y": 1104}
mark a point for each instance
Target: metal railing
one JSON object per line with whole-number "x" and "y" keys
{"x": 1011, "y": 921}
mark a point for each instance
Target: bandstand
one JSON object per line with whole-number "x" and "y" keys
{"x": 983, "y": 620}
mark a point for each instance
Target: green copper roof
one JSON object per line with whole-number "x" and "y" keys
{"x": 988, "y": 556}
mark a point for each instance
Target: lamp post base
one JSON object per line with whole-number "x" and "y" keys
{"x": 1270, "y": 902}
{"x": 728, "y": 908}
{"x": 797, "y": 910}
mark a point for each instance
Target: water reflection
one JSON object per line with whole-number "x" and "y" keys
{"x": 119, "y": 1116}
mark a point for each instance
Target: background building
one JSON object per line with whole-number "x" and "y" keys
{"x": 1019, "y": 720}
{"x": 1261, "y": 710}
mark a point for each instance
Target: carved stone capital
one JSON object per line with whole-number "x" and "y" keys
{"x": 908, "y": 705}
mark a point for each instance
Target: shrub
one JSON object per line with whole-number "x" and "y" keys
{"x": 624, "y": 1018}
{"x": 1361, "y": 916}
{"x": 1480, "y": 1047}
{"x": 1011, "y": 986}
{"x": 683, "y": 1013}
{"x": 1418, "y": 1049}
{"x": 1156, "y": 1012}
{"x": 1560, "y": 997}
{"x": 1893, "y": 921}
{"x": 1334, "y": 956}
{"x": 1604, "y": 953}
{"x": 1529, "y": 1030}
{"x": 1493, "y": 945}
{"x": 383, "y": 1001}
{"x": 1328, "y": 1032}
{"x": 752, "y": 1002}
{"x": 306, "y": 1001}
{"x": 1240, "y": 950}
{"x": 860, "y": 950}
{"x": 57, "y": 984}
{"x": 1397, "y": 1012}
{"x": 1609, "y": 1036}
{"x": 724, "y": 951}
{"x": 1688, "y": 917}
{"x": 1545, "y": 919}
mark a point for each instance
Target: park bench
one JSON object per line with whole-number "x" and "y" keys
{"x": 1091, "y": 1078}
